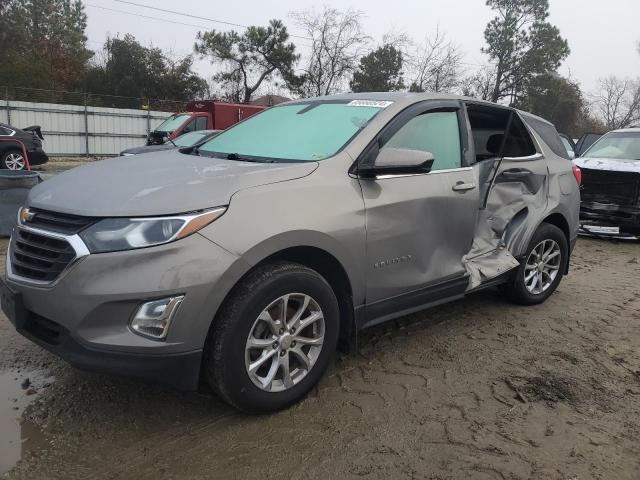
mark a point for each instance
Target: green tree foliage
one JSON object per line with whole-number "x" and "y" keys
{"x": 249, "y": 59}
{"x": 379, "y": 71}
{"x": 522, "y": 44}
{"x": 42, "y": 43}
{"x": 133, "y": 70}
{"x": 560, "y": 101}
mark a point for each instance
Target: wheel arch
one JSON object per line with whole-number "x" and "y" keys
{"x": 329, "y": 264}
{"x": 334, "y": 273}
{"x": 558, "y": 219}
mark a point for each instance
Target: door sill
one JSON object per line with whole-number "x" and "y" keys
{"x": 407, "y": 303}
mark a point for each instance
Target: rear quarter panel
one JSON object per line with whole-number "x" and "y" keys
{"x": 563, "y": 197}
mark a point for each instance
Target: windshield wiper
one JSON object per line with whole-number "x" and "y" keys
{"x": 189, "y": 150}
{"x": 239, "y": 158}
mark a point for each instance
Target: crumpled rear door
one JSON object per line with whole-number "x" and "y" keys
{"x": 515, "y": 192}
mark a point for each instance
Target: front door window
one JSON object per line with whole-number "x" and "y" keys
{"x": 434, "y": 132}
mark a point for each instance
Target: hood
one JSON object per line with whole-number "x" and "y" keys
{"x": 611, "y": 164}
{"x": 148, "y": 148}
{"x": 162, "y": 183}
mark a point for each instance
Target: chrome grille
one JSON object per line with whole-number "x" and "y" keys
{"x": 58, "y": 222}
{"x": 39, "y": 257}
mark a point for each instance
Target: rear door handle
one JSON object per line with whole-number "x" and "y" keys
{"x": 463, "y": 187}
{"x": 516, "y": 173}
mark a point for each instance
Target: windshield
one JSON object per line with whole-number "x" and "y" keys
{"x": 173, "y": 122}
{"x": 189, "y": 139}
{"x": 304, "y": 131}
{"x": 617, "y": 145}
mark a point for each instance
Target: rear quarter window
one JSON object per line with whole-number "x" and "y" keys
{"x": 549, "y": 135}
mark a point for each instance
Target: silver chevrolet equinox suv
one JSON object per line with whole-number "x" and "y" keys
{"x": 244, "y": 263}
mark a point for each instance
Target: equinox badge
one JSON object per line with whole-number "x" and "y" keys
{"x": 393, "y": 261}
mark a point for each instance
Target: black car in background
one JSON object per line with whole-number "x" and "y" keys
{"x": 11, "y": 154}
{"x": 191, "y": 139}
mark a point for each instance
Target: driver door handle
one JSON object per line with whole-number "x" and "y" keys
{"x": 463, "y": 187}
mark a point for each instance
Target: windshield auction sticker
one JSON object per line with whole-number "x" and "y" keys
{"x": 369, "y": 103}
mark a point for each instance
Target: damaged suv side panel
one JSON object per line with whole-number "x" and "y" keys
{"x": 515, "y": 173}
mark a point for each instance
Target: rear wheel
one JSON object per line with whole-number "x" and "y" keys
{"x": 541, "y": 272}
{"x": 13, "y": 160}
{"x": 273, "y": 338}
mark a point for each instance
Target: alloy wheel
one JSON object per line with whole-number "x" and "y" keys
{"x": 542, "y": 267}
{"x": 285, "y": 342}
{"x": 14, "y": 161}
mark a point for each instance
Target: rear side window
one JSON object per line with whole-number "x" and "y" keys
{"x": 566, "y": 143}
{"x": 519, "y": 143}
{"x": 435, "y": 132}
{"x": 201, "y": 123}
{"x": 549, "y": 135}
{"x": 491, "y": 140}
{"x": 5, "y": 131}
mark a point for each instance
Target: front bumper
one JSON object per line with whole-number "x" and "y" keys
{"x": 84, "y": 316}
{"x": 611, "y": 215}
{"x": 180, "y": 370}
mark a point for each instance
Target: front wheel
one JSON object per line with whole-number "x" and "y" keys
{"x": 273, "y": 338}
{"x": 13, "y": 160}
{"x": 545, "y": 263}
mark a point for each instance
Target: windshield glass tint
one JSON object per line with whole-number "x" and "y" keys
{"x": 189, "y": 139}
{"x": 171, "y": 123}
{"x": 306, "y": 132}
{"x": 619, "y": 145}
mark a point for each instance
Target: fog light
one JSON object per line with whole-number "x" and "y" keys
{"x": 153, "y": 318}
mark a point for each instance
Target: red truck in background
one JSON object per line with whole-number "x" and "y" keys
{"x": 201, "y": 115}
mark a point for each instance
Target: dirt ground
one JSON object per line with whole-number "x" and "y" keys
{"x": 476, "y": 389}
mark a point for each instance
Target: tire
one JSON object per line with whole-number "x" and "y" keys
{"x": 519, "y": 290}
{"x": 228, "y": 358}
{"x": 12, "y": 160}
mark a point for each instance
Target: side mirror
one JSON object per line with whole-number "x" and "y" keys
{"x": 398, "y": 161}
{"x": 572, "y": 154}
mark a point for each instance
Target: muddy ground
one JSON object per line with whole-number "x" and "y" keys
{"x": 477, "y": 389}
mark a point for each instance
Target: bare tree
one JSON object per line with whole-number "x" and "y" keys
{"x": 617, "y": 102}
{"x": 338, "y": 42}
{"x": 435, "y": 65}
{"x": 480, "y": 84}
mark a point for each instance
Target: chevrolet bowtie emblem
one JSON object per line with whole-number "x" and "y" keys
{"x": 26, "y": 215}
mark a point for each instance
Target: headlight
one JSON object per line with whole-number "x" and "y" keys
{"x": 116, "y": 234}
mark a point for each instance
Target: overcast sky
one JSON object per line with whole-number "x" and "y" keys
{"x": 603, "y": 35}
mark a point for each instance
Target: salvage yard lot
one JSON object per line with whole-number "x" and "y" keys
{"x": 476, "y": 389}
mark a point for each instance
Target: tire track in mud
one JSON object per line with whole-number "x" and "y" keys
{"x": 427, "y": 396}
